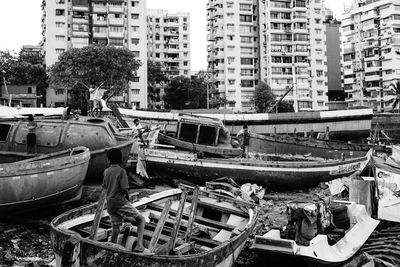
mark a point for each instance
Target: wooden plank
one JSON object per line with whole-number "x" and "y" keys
{"x": 97, "y": 216}
{"x": 179, "y": 214}
{"x": 160, "y": 225}
{"x": 117, "y": 114}
{"x": 184, "y": 248}
{"x": 198, "y": 219}
{"x": 192, "y": 214}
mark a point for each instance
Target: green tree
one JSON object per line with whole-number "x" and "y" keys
{"x": 263, "y": 97}
{"x": 285, "y": 106}
{"x": 182, "y": 92}
{"x": 395, "y": 86}
{"x": 24, "y": 69}
{"x": 156, "y": 78}
{"x": 93, "y": 66}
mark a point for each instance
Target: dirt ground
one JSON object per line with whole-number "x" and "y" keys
{"x": 25, "y": 241}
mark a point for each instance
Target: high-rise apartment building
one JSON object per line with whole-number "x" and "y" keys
{"x": 281, "y": 42}
{"x": 371, "y": 52}
{"x": 70, "y": 24}
{"x": 169, "y": 41}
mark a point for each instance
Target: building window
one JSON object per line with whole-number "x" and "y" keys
{"x": 185, "y": 45}
{"x": 134, "y": 16}
{"x": 135, "y": 41}
{"x": 116, "y": 29}
{"x": 136, "y": 79}
{"x": 136, "y": 28}
{"x": 60, "y": 24}
{"x": 135, "y": 3}
{"x": 29, "y": 90}
{"x": 99, "y": 29}
{"x": 320, "y": 103}
{"x": 231, "y": 60}
{"x": 60, "y": 12}
{"x": 59, "y": 50}
{"x": 231, "y": 71}
{"x": 135, "y": 91}
{"x": 116, "y": 42}
{"x": 247, "y": 83}
{"x": 246, "y": 39}
{"x": 136, "y": 53}
{"x": 185, "y": 63}
{"x": 246, "y": 61}
{"x": 59, "y": 91}
{"x": 231, "y": 82}
{"x": 60, "y": 37}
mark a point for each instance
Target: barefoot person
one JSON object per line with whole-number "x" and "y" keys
{"x": 118, "y": 206}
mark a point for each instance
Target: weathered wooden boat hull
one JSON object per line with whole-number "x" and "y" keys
{"x": 51, "y": 179}
{"x": 274, "y": 174}
{"x": 319, "y": 252}
{"x": 342, "y": 124}
{"x": 94, "y": 253}
{"x": 218, "y": 151}
{"x": 328, "y": 149}
{"x": 55, "y": 135}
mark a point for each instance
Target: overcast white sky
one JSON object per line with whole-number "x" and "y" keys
{"x": 20, "y": 23}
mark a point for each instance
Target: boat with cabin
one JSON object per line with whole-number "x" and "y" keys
{"x": 201, "y": 134}
{"x": 184, "y": 227}
{"x": 31, "y": 181}
{"x": 52, "y": 135}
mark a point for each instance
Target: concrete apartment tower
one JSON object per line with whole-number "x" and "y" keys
{"x": 371, "y": 52}
{"x": 169, "y": 41}
{"x": 280, "y": 42}
{"x": 70, "y": 24}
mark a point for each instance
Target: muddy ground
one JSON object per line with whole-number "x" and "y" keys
{"x": 25, "y": 241}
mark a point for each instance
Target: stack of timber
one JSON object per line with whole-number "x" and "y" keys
{"x": 28, "y": 181}
{"x": 183, "y": 228}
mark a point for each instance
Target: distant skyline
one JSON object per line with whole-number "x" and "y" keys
{"x": 25, "y": 28}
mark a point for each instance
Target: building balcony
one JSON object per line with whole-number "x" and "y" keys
{"x": 372, "y": 69}
{"x": 80, "y": 20}
{"x": 303, "y": 86}
{"x": 99, "y": 22}
{"x": 116, "y": 34}
{"x": 300, "y": 18}
{"x": 99, "y": 9}
{"x": 349, "y": 80}
{"x": 115, "y": 9}
{"x": 371, "y": 78}
{"x": 280, "y": 9}
{"x": 80, "y": 8}
{"x": 80, "y": 34}
{"x": 373, "y": 89}
{"x": 116, "y": 21}
{"x": 100, "y": 34}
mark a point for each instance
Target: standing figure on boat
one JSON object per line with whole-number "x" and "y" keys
{"x": 244, "y": 138}
{"x": 31, "y": 137}
{"x": 115, "y": 183}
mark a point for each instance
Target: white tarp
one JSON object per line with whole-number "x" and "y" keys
{"x": 389, "y": 195}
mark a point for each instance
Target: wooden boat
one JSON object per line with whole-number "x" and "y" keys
{"x": 319, "y": 252}
{"x": 201, "y": 134}
{"x": 341, "y": 124}
{"x": 275, "y": 173}
{"x": 172, "y": 232}
{"x": 99, "y": 135}
{"x": 28, "y": 181}
{"x": 328, "y": 149}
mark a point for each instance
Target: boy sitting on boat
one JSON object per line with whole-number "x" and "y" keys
{"x": 119, "y": 208}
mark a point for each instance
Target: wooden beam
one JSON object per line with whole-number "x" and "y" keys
{"x": 192, "y": 214}
{"x": 179, "y": 214}
{"x": 160, "y": 225}
{"x": 184, "y": 248}
{"x": 97, "y": 216}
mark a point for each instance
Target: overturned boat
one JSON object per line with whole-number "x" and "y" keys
{"x": 356, "y": 227}
{"x": 327, "y": 149}
{"x": 275, "y": 173}
{"x": 52, "y": 135}
{"x": 201, "y": 134}
{"x": 183, "y": 228}
{"x": 29, "y": 181}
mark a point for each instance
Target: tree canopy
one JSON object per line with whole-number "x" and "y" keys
{"x": 263, "y": 97}
{"x": 182, "y": 92}
{"x": 155, "y": 79}
{"x": 93, "y": 66}
{"x": 395, "y": 86}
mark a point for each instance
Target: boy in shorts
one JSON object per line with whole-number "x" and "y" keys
{"x": 115, "y": 183}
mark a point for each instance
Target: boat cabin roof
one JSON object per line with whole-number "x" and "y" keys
{"x": 199, "y": 120}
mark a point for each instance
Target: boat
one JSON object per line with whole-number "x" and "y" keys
{"x": 183, "y": 227}
{"x": 97, "y": 134}
{"x": 319, "y": 148}
{"x": 28, "y": 181}
{"x": 338, "y": 124}
{"x": 278, "y": 173}
{"x": 320, "y": 251}
{"x": 201, "y": 134}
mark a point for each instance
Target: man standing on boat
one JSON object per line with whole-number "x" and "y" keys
{"x": 244, "y": 139}
{"x": 115, "y": 183}
{"x": 31, "y": 137}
